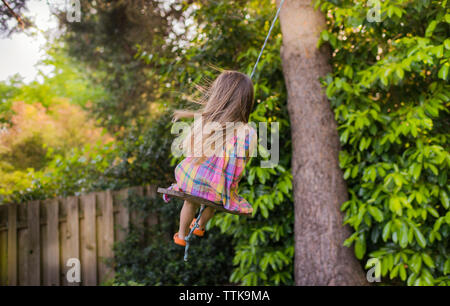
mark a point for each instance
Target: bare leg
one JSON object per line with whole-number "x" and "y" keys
{"x": 186, "y": 215}
{"x": 207, "y": 214}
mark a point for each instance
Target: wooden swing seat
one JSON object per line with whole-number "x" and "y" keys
{"x": 198, "y": 200}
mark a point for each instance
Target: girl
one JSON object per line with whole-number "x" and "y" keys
{"x": 222, "y": 129}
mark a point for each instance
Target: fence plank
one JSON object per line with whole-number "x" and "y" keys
{"x": 34, "y": 244}
{"x": 151, "y": 193}
{"x": 12, "y": 245}
{"x": 53, "y": 268}
{"x": 89, "y": 241}
{"x": 44, "y": 243}
{"x": 63, "y": 247}
{"x": 106, "y": 235}
{"x": 73, "y": 231}
{"x": 22, "y": 257}
{"x": 34, "y": 251}
{"x": 3, "y": 258}
{"x": 123, "y": 215}
{"x": 135, "y": 217}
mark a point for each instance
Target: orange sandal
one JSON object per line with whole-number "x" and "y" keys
{"x": 178, "y": 240}
{"x": 197, "y": 232}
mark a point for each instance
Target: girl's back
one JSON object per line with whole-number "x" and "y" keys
{"x": 225, "y": 141}
{"x": 216, "y": 177}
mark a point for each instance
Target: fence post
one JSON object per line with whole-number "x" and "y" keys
{"x": 106, "y": 234}
{"x": 73, "y": 230}
{"x": 34, "y": 244}
{"x": 53, "y": 268}
{"x": 123, "y": 217}
{"x": 12, "y": 244}
{"x": 89, "y": 241}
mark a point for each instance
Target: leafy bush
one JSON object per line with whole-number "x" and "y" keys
{"x": 41, "y": 123}
{"x": 80, "y": 171}
{"x": 390, "y": 93}
{"x": 148, "y": 255}
{"x": 140, "y": 158}
{"x": 37, "y": 135}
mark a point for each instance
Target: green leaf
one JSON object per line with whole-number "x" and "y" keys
{"x": 430, "y": 29}
{"x": 403, "y": 235}
{"x": 360, "y": 247}
{"x": 415, "y": 263}
{"x": 355, "y": 171}
{"x": 427, "y": 260}
{"x": 417, "y": 168}
{"x": 386, "y": 231}
{"x": 427, "y": 277}
{"x": 398, "y": 12}
{"x": 411, "y": 279}
{"x": 261, "y": 174}
{"x": 419, "y": 237}
{"x": 402, "y": 272}
{"x": 251, "y": 176}
{"x": 447, "y": 44}
{"x": 347, "y": 173}
{"x": 443, "y": 72}
{"x": 376, "y": 213}
{"x": 395, "y": 205}
{"x": 400, "y": 73}
{"x": 442, "y": 179}
{"x": 433, "y": 211}
{"x": 325, "y": 35}
{"x": 384, "y": 80}
{"x": 394, "y": 272}
{"x": 444, "y": 199}
{"x": 433, "y": 169}
{"x": 447, "y": 267}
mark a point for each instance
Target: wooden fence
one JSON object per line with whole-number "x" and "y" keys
{"x": 38, "y": 238}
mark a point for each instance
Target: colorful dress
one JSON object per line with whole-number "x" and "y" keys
{"x": 216, "y": 179}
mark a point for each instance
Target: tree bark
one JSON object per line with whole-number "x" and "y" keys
{"x": 318, "y": 184}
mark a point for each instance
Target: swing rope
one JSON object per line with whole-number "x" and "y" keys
{"x": 188, "y": 237}
{"x": 267, "y": 37}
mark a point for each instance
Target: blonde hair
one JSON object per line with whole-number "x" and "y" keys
{"x": 229, "y": 99}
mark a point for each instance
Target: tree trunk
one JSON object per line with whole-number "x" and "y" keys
{"x": 319, "y": 187}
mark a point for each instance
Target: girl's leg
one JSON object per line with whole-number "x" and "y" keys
{"x": 207, "y": 214}
{"x": 187, "y": 214}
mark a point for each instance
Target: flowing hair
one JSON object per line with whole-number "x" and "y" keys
{"x": 227, "y": 104}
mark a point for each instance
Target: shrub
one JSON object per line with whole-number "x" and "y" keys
{"x": 390, "y": 93}
{"x": 37, "y": 140}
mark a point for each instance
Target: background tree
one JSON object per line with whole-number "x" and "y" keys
{"x": 11, "y": 19}
{"x": 224, "y": 34}
{"x": 318, "y": 184}
{"x": 107, "y": 41}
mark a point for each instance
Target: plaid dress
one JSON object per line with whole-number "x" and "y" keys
{"x": 217, "y": 178}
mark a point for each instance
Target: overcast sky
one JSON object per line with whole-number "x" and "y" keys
{"x": 20, "y": 53}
